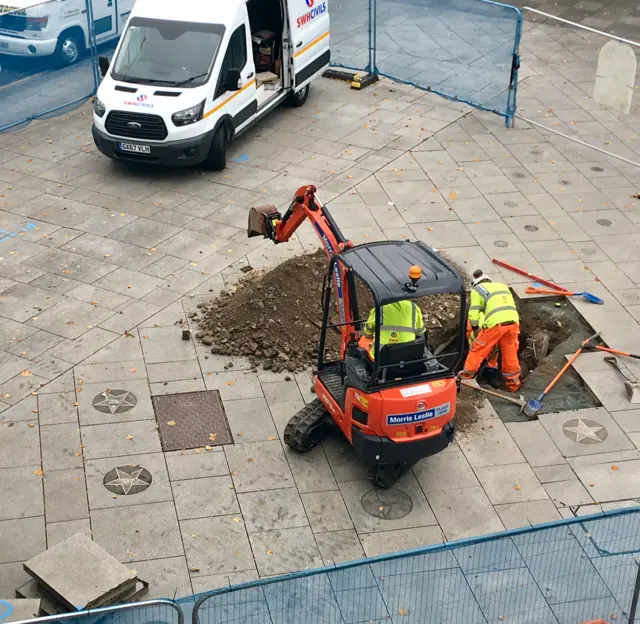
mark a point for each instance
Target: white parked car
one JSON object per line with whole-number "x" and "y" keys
{"x": 188, "y": 77}
{"x": 58, "y": 28}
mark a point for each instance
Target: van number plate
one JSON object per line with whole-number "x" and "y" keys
{"x": 136, "y": 149}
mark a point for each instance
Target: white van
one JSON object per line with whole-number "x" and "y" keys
{"x": 187, "y": 78}
{"x": 58, "y": 28}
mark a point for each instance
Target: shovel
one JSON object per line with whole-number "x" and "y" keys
{"x": 533, "y": 406}
{"x": 631, "y": 384}
{"x": 531, "y": 290}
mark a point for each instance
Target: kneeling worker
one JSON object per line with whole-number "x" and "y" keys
{"x": 401, "y": 322}
{"x": 494, "y": 320}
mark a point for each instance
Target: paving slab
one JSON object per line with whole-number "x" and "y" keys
{"x": 20, "y": 609}
{"x": 118, "y": 439}
{"x": 22, "y": 489}
{"x": 21, "y": 539}
{"x": 551, "y": 474}
{"x": 19, "y": 444}
{"x": 250, "y": 419}
{"x": 419, "y": 516}
{"x": 343, "y": 460}
{"x": 516, "y": 515}
{"x": 81, "y": 559}
{"x": 513, "y": 483}
{"x": 196, "y": 463}
{"x": 258, "y": 466}
{"x": 204, "y": 497}
{"x": 339, "y": 546}
{"x": 326, "y": 511}
{"x": 60, "y": 531}
{"x": 12, "y": 575}
{"x": 57, "y": 408}
{"x": 216, "y": 545}
{"x": 138, "y": 532}
{"x": 99, "y": 471}
{"x": 114, "y": 401}
{"x": 585, "y": 432}
{"x": 439, "y": 471}
{"x": 489, "y": 445}
{"x": 273, "y": 509}
{"x": 285, "y": 550}
{"x": 24, "y": 410}
{"x": 385, "y": 542}
{"x": 569, "y": 493}
{"x": 604, "y": 483}
{"x": 167, "y": 578}
{"x": 65, "y": 495}
{"x": 535, "y": 443}
{"x": 464, "y": 512}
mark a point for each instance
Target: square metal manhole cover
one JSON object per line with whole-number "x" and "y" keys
{"x": 191, "y": 420}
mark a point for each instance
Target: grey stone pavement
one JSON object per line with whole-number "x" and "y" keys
{"x": 98, "y": 263}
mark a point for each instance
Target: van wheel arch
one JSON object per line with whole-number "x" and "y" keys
{"x": 223, "y": 132}
{"x": 71, "y": 45}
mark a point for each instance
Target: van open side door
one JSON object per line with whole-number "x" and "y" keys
{"x": 309, "y": 22}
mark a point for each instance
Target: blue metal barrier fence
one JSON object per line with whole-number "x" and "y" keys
{"x": 465, "y": 50}
{"x": 564, "y": 572}
{"x": 44, "y": 74}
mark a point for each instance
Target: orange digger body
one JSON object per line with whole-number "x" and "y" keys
{"x": 399, "y": 405}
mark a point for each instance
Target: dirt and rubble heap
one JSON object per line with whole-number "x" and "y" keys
{"x": 274, "y": 318}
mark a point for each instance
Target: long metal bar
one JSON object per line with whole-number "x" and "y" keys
{"x": 568, "y": 136}
{"x": 77, "y": 615}
{"x": 593, "y": 30}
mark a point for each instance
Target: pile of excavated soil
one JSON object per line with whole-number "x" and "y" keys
{"x": 274, "y": 318}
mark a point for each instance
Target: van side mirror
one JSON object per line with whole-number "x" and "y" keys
{"x": 232, "y": 80}
{"x": 103, "y": 63}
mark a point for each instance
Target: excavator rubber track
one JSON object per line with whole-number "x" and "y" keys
{"x": 306, "y": 428}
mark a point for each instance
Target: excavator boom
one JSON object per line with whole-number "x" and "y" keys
{"x": 268, "y": 222}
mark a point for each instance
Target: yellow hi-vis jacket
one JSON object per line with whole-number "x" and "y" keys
{"x": 492, "y": 304}
{"x": 401, "y": 322}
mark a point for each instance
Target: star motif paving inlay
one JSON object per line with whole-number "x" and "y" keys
{"x": 127, "y": 480}
{"x": 115, "y": 401}
{"x": 585, "y": 431}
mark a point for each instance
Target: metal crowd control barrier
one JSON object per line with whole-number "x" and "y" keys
{"x": 563, "y": 572}
{"x": 147, "y": 612}
{"x": 464, "y": 50}
{"x": 35, "y": 81}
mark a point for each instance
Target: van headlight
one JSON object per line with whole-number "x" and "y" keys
{"x": 188, "y": 115}
{"x": 98, "y": 107}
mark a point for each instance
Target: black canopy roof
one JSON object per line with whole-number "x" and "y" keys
{"x": 384, "y": 267}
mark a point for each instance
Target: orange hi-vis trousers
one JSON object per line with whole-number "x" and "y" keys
{"x": 507, "y": 338}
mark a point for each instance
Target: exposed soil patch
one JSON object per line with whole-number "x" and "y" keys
{"x": 274, "y": 318}
{"x": 566, "y": 330}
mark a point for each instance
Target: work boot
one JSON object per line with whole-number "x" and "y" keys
{"x": 512, "y": 387}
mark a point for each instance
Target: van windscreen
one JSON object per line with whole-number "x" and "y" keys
{"x": 167, "y": 52}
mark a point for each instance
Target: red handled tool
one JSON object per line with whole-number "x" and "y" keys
{"x": 531, "y": 276}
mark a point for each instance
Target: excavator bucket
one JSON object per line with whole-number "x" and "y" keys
{"x": 256, "y": 226}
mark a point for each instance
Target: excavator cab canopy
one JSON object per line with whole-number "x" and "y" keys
{"x": 392, "y": 271}
{"x": 384, "y": 267}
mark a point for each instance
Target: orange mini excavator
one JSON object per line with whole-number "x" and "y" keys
{"x": 395, "y": 403}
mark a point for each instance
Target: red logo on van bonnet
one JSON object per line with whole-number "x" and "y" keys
{"x": 310, "y": 3}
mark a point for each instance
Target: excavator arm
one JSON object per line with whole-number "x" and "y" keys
{"x": 268, "y": 222}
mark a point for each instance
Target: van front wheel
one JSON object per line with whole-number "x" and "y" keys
{"x": 298, "y": 98}
{"x": 70, "y": 47}
{"x": 217, "y": 158}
